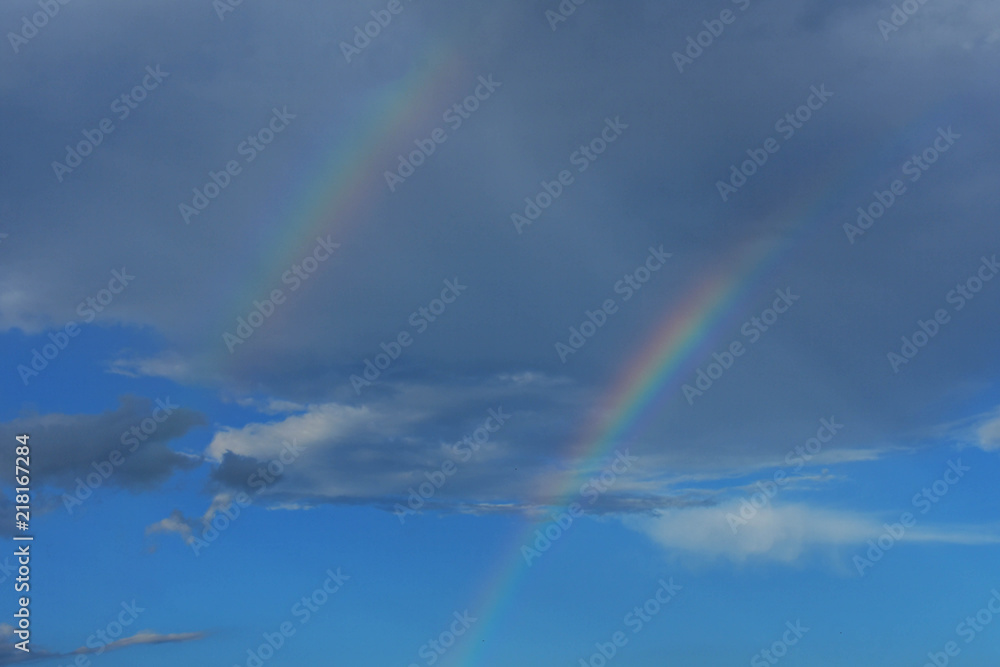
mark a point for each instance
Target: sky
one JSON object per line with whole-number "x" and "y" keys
{"x": 489, "y": 334}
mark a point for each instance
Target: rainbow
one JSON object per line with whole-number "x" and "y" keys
{"x": 350, "y": 178}
{"x": 348, "y": 170}
{"x": 680, "y": 339}
{"x": 684, "y": 337}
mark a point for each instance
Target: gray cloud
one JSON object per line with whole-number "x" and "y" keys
{"x": 67, "y": 447}
{"x": 9, "y": 655}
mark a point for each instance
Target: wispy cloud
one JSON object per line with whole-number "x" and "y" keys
{"x": 9, "y": 655}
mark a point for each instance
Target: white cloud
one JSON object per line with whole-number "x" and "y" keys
{"x": 782, "y": 533}
{"x": 17, "y": 311}
{"x": 989, "y": 434}
{"x": 167, "y": 365}
{"x": 175, "y": 523}
{"x": 320, "y": 424}
{"x": 980, "y": 430}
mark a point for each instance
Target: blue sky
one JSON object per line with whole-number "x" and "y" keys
{"x": 285, "y": 309}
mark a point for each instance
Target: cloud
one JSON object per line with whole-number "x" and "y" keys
{"x": 380, "y": 452}
{"x": 387, "y": 453}
{"x": 10, "y": 655}
{"x": 187, "y": 527}
{"x": 144, "y": 637}
{"x": 178, "y": 524}
{"x": 784, "y": 533}
{"x": 497, "y": 443}
{"x": 271, "y": 406}
{"x": 325, "y": 423}
{"x": 989, "y": 434}
{"x": 75, "y": 443}
{"x": 981, "y": 430}
{"x": 171, "y": 366}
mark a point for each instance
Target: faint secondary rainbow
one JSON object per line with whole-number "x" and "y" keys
{"x": 346, "y": 178}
